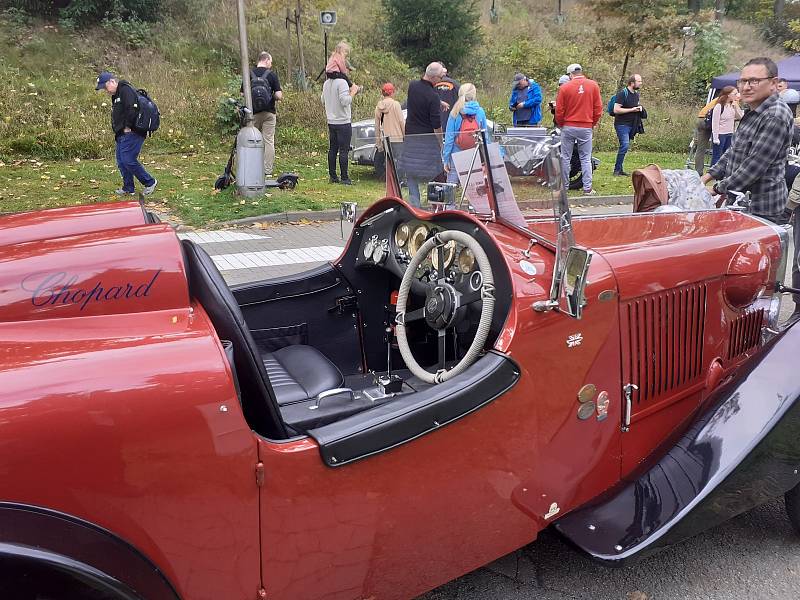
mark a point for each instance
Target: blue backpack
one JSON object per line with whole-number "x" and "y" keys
{"x": 613, "y": 101}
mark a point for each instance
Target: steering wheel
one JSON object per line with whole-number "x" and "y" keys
{"x": 442, "y": 302}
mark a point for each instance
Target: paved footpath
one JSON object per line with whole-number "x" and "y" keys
{"x": 754, "y": 556}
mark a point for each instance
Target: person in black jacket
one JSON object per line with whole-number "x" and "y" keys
{"x": 128, "y": 139}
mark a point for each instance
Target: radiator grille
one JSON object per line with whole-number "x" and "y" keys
{"x": 745, "y": 333}
{"x": 665, "y": 341}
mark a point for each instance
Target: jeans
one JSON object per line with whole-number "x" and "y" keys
{"x": 128, "y": 147}
{"x": 582, "y": 138}
{"x": 340, "y": 136}
{"x": 624, "y": 137}
{"x": 717, "y": 150}
{"x": 413, "y": 191}
{"x": 265, "y": 122}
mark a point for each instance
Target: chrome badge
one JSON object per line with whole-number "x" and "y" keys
{"x": 576, "y": 339}
{"x": 602, "y": 406}
{"x": 554, "y": 510}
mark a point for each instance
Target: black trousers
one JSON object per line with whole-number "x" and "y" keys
{"x": 340, "y": 136}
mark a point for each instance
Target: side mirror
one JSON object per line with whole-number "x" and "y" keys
{"x": 572, "y": 299}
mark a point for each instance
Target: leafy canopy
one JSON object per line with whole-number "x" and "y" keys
{"x": 423, "y": 31}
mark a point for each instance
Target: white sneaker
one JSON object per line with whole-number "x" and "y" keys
{"x": 121, "y": 192}
{"x": 591, "y": 192}
{"x": 150, "y": 188}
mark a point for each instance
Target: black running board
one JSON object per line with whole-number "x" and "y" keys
{"x": 742, "y": 452}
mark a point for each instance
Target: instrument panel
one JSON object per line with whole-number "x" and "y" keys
{"x": 394, "y": 247}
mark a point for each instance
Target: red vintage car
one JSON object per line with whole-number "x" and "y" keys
{"x": 450, "y": 386}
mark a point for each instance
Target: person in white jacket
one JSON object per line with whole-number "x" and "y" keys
{"x": 337, "y": 97}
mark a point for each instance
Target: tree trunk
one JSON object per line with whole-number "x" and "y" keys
{"x": 778, "y": 7}
{"x": 719, "y": 9}
{"x": 289, "y": 62}
{"x": 628, "y": 51}
{"x": 693, "y": 5}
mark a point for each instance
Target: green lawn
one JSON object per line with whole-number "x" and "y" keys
{"x": 185, "y": 192}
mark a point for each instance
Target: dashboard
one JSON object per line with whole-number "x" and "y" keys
{"x": 392, "y": 243}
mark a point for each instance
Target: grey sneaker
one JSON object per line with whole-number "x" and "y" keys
{"x": 150, "y": 188}
{"x": 121, "y": 192}
{"x": 590, "y": 192}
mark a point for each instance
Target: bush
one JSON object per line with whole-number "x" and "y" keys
{"x": 133, "y": 32}
{"x": 710, "y": 56}
{"x": 86, "y": 12}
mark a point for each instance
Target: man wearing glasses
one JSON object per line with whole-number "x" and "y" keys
{"x": 756, "y": 160}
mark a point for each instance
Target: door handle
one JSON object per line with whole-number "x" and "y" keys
{"x": 626, "y": 415}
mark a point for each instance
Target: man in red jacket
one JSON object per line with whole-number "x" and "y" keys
{"x": 578, "y": 110}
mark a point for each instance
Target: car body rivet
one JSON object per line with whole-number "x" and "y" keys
{"x": 436, "y": 423}
{"x": 795, "y": 471}
{"x": 592, "y": 527}
{"x": 333, "y": 459}
{"x": 618, "y": 548}
{"x": 223, "y": 408}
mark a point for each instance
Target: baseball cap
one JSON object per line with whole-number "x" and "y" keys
{"x": 387, "y": 89}
{"x": 563, "y": 79}
{"x": 519, "y": 77}
{"x": 573, "y": 67}
{"x": 104, "y": 77}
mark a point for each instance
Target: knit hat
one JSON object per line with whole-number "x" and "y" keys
{"x": 563, "y": 79}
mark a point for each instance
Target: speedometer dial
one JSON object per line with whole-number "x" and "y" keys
{"x": 449, "y": 254}
{"x": 466, "y": 261}
{"x": 369, "y": 246}
{"x": 401, "y": 235}
{"x": 417, "y": 238}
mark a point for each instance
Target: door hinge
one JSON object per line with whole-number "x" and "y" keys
{"x": 259, "y": 474}
{"x": 627, "y": 409}
{"x": 261, "y": 594}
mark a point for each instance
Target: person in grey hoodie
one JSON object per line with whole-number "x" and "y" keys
{"x": 338, "y": 98}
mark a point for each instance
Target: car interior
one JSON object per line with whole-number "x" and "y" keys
{"x": 318, "y": 353}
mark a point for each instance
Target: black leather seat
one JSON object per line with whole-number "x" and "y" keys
{"x": 301, "y": 372}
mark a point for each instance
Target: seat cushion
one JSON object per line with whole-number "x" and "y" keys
{"x": 299, "y": 373}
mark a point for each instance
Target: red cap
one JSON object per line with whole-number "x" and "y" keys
{"x": 387, "y": 89}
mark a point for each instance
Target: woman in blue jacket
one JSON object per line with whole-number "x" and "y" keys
{"x": 465, "y": 108}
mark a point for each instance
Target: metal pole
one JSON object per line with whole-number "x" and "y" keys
{"x": 248, "y": 95}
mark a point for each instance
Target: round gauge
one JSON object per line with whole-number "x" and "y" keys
{"x": 466, "y": 261}
{"x": 417, "y": 238}
{"x": 401, "y": 235}
{"x": 449, "y": 254}
{"x": 476, "y": 281}
{"x": 369, "y": 246}
{"x": 380, "y": 252}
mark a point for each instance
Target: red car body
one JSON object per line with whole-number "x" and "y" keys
{"x": 130, "y": 467}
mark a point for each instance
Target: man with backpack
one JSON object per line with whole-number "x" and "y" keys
{"x": 266, "y": 90}
{"x": 626, "y": 109}
{"x": 133, "y": 116}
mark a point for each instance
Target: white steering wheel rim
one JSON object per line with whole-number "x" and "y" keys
{"x": 487, "y": 310}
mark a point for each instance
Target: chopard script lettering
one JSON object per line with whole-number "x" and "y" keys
{"x": 58, "y": 289}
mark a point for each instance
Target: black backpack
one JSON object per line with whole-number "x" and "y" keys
{"x": 261, "y": 91}
{"x": 148, "y": 118}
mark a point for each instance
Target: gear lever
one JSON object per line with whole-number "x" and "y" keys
{"x": 389, "y": 384}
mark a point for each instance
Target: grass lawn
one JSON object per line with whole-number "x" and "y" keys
{"x": 185, "y": 192}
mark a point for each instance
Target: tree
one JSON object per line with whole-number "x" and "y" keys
{"x": 423, "y": 31}
{"x": 633, "y": 26}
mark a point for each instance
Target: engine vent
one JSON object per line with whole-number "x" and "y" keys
{"x": 745, "y": 333}
{"x": 665, "y": 341}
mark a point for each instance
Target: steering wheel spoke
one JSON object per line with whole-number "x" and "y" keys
{"x": 414, "y": 315}
{"x": 442, "y": 348}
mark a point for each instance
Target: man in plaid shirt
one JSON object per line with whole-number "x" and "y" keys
{"x": 756, "y": 160}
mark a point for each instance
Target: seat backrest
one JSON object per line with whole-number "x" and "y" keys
{"x": 207, "y": 286}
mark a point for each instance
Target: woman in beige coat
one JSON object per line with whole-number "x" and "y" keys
{"x": 389, "y": 122}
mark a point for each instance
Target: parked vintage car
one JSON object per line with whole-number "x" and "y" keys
{"x": 519, "y": 156}
{"x": 450, "y": 386}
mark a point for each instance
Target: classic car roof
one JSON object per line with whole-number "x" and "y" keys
{"x": 650, "y": 252}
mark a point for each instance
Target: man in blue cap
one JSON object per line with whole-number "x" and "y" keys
{"x": 525, "y": 103}
{"x": 124, "y": 107}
